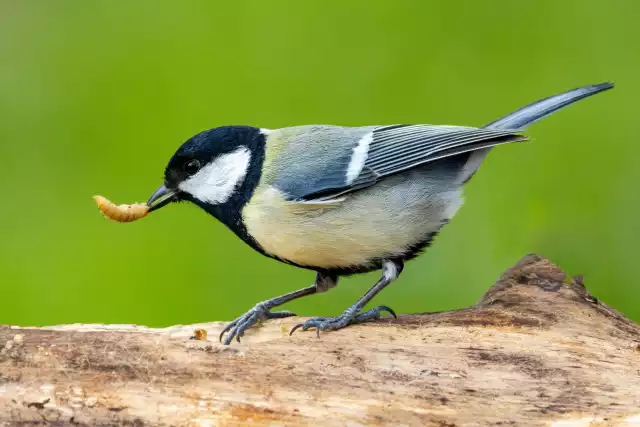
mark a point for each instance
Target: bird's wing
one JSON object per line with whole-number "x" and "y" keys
{"x": 331, "y": 161}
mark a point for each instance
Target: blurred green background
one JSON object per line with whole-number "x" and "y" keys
{"x": 96, "y": 96}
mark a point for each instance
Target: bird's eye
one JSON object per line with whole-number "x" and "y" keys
{"x": 191, "y": 167}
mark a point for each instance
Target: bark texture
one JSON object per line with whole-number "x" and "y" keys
{"x": 537, "y": 349}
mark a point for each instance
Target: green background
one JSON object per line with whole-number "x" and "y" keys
{"x": 96, "y": 96}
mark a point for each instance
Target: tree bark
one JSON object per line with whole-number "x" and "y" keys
{"x": 536, "y": 349}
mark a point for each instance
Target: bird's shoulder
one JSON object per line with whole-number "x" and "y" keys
{"x": 301, "y": 158}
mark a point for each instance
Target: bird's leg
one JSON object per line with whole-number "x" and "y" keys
{"x": 352, "y": 315}
{"x": 261, "y": 311}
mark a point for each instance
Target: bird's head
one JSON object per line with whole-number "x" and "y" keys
{"x": 212, "y": 169}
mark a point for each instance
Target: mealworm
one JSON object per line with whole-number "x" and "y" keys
{"x": 121, "y": 213}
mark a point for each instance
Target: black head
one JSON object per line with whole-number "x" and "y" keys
{"x": 217, "y": 169}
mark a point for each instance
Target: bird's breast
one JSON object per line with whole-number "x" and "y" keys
{"x": 379, "y": 222}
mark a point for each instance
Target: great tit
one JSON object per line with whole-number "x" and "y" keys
{"x": 338, "y": 200}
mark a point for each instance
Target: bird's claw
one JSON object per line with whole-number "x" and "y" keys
{"x": 345, "y": 319}
{"x": 241, "y": 324}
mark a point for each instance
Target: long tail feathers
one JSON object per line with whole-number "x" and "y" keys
{"x": 528, "y": 115}
{"x": 541, "y": 109}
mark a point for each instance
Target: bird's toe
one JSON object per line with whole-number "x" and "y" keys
{"x": 237, "y": 328}
{"x": 373, "y": 314}
{"x": 342, "y": 321}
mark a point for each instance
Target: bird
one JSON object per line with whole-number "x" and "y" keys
{"x": 338, "y": 200}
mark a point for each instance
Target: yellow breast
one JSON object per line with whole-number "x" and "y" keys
{"x": 352, "y": 232}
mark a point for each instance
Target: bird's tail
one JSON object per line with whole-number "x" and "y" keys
{"x": 528, "y": 115}
{"x": 541, "y": 109}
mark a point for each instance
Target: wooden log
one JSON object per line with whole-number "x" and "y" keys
{"x": 537, "y": 349}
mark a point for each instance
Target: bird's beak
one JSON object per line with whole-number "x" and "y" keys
{"x": 162, "y": 197}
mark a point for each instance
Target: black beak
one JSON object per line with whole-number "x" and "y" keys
{"x": 162, "y": 197}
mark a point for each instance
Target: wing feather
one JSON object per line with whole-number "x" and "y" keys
{"x": 314, "y": 175}
{"x": 399, "y": 148}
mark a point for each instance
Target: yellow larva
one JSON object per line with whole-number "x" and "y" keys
{"x": 121, "y": 213}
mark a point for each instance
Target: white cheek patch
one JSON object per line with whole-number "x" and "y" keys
{"x": 217, "y": 181}
{"x": 359, "y": 157}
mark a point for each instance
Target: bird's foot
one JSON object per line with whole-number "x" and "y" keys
{"x": 349, "y": 317}
{"x": 259, "y": 312}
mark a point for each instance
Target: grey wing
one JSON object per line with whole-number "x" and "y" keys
{"x": 312, "y": 160}
{"x": 387, "y": 150}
